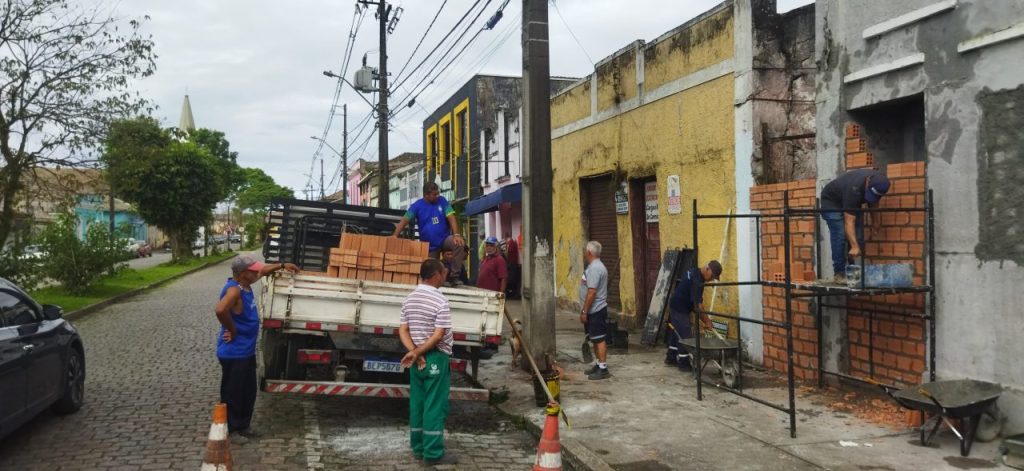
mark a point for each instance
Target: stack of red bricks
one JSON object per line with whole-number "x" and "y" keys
{"x": 378, "y": 258}
{"x": 899, "y": 342}
{"x": 857, "y": 155}
{"x": 768, "y": 199}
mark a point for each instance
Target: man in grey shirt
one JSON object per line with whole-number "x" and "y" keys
{"x": 594, "y": 313}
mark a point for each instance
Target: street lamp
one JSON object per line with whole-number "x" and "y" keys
{"x": 344, "y": 168}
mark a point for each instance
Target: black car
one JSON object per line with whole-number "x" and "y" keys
{"x": 42, "y": 360}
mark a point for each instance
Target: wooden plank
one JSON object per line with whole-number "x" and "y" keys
{"x": 662, "y": 290}
{"x": 333, "y": 271}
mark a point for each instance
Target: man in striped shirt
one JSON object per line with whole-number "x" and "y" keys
{"x": 426, "y": 332}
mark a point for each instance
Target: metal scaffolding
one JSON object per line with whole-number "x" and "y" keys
{"x": 809, "y": 289}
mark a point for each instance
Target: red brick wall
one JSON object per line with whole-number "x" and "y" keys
{"x": 769, "y": 199}
{"x": 899, "y": 342}
{"x": 900, "y": 350}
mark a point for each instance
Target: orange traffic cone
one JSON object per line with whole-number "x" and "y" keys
{"x": 218, "y": 448}
{"x": 549, "y": 452}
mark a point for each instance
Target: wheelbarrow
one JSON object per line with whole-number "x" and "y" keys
{"x": 964, "y": 400}
{"x": 723, "y": 353}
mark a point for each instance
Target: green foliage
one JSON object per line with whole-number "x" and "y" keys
{"x": 66, "y": 71}
{"x": 77, "y": 264}
{"x": 229, "y": 175}
{"x": 20, "y": 268}
{"x": 174, "y": 184}
{"x": 258, "y": 189}
{"x": 124, "y": 281}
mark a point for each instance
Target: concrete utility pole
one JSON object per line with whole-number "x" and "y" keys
{"x": 538, "y": 266}
{"x": 344, "y": 153}
{"x": 383, "y": 175}
{"x": 322, "y": 196}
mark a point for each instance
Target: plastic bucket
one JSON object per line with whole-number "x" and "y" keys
{"x": 551, "y": 378}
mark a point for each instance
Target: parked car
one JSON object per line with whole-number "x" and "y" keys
{"x": 33, "y": 251}
{"x": 235, "y": 239}
{"x": 42, "y": 360}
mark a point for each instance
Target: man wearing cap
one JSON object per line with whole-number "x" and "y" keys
{"x": 493, "y": 271}
{"x": 845, "y": 196}
{"x": 688, "y": 297}
{"x": 438, "y": 225}
{"x": 236, "y": 344}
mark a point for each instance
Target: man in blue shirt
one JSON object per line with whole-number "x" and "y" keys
{"x": 688, "y": 297}
{"x": 236, "y": 345}
{"x": 438, "y": 226}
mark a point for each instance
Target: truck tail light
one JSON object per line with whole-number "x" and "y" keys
{"x": 314, "y": 357}
{"x": 457, "y": 365}
{"x": 273, "y": 323}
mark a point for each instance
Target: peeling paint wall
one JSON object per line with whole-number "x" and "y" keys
{"x": 687, "y": 132}
{"x": 974, "y": 160}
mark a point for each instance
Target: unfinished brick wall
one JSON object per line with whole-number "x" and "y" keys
{"x": 768, "y": 199}
{"x": 899, "y": 342}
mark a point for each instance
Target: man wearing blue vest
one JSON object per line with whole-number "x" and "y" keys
{"x": 236, "y": 344}
{"x": 438, "y": 226}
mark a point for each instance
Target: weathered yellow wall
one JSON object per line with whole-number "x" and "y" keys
{"x": 689, "y": 134}
{"x": 612, "y": 90}
{"x": 572, "y": 105}
{"x": 689, "y": 50}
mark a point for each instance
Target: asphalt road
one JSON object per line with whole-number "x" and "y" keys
{"x": 152, "y": 380}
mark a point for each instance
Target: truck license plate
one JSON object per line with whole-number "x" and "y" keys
{"x": 382, "y": 366}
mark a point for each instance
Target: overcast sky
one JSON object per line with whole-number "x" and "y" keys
{"x": 253, "y": 69}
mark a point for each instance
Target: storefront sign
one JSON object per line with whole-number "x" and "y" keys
{"x": 675, "y": 205}
{"x": 621, "y": 200}
{"x": 651, "y": 201}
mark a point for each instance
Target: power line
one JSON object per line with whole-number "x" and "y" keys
{"x": 357, "y": 21}
{"x": 420, "y": 43}
{"x": 578, "y": 43}
{"x": 400, "y": 81}
{"x": 423, "y": 82}
{"x": 481, "y": 60}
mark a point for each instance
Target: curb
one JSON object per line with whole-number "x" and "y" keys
{"x": 128, "y": 294}
{"x": 577, "y": 456}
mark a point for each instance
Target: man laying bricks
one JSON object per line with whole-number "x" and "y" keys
{"x": 845, "y": 195}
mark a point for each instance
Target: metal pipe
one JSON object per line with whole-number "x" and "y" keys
{"x": 880, "y": 311}
{"x": 744, "y": 395}
{"x": 804, "y": 211}
{"x": 931, "y": 284}
{"x": 859, "y": 380}
{"x": 780, "y": 325}
{"x": 789, "y": 315}
{"x": 729, "y": 216}
{"x": 696, "y": 257}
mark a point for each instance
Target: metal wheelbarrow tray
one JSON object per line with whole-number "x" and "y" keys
{"x": 962, "y": 399}
{"x": 723, "y": 353}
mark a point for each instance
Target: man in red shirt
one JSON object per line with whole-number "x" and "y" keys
{"x": 493, "y": 272}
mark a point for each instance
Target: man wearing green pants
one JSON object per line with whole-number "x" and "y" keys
{"x": 426, "y": 332}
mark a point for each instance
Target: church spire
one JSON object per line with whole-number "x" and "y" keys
{"x": 187, "y": 123}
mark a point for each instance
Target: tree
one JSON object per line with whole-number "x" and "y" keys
{"x": 228, "y": 172}
{"x": 77, "y": 264}
{"x": 65, "y": 71}
{"x": 254, "y": 197}
{"x": 174, "y": 184}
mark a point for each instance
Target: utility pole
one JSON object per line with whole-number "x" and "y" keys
{"x": 538, "y": 266}
{"x": 344, "y": 153}
{"x": 321, "y": 178}
{"x": 383, "y": 172}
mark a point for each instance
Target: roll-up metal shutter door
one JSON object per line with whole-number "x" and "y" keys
{"x": 599, "y": 194}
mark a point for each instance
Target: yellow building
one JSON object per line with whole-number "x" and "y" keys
{"x": 656, "y": 126}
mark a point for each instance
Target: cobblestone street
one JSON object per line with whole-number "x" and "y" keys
{"x": 152, "y": 380}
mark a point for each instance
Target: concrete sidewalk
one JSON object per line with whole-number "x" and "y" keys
{"x": 647, "y": 417}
